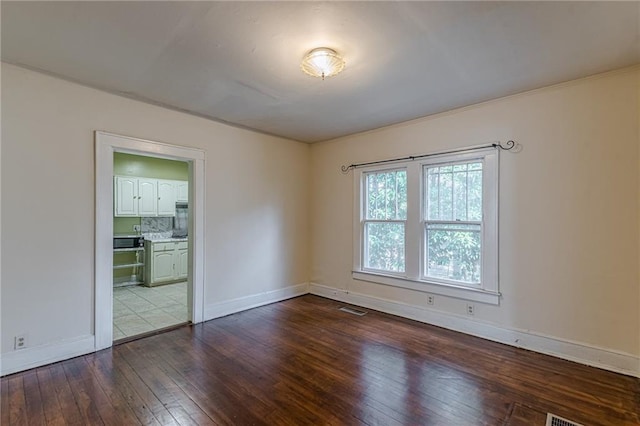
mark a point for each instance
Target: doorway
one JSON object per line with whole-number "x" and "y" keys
{"x": 107, "y": 147}
{"x": 151, "y": 239}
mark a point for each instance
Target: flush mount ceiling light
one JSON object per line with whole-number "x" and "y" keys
{"x": 322, "y": 62}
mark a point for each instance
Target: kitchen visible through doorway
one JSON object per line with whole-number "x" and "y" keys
{"x": 150, "y": 244}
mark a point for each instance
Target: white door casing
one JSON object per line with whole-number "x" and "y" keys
{"x": 106, "y": 145}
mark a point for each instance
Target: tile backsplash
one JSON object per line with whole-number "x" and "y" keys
{"x": 156, "y": 224}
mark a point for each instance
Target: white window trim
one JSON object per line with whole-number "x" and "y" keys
{"x": 413, "y": 278}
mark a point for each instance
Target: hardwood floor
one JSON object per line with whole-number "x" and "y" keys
{"x": 303, "y": 361}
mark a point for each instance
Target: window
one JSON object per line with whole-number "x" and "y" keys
{"x": 453, "y": 221}
{"x": 431, "y": 225}
{"x": 385, "y": 220}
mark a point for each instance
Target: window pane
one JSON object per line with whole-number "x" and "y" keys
{"x": 453, "y": 252}
{"x": 446, "y": 194}
{"x": 384, "y": 246}
{"x": 475, "y": 166}
{"x": 386, "y": 197}
{"x": 474, "y": 197}
{"x": 460, "y": 192}
{"x": 454, "y": 192}
{"x": 433, "y": 194}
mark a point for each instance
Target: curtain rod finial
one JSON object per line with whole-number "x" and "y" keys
{"x": 510, "y": 144}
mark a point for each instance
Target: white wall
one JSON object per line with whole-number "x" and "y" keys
{"x": 256, "y": 203}
{"x": 569, "y": 215}
{"x": 569, "y": 211}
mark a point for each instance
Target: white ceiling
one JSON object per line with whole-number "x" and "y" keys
{"x": 239, "y": 62}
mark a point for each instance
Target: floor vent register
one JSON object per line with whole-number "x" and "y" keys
{"x": 352, "y": 311}
{"x": 553, "y": 420}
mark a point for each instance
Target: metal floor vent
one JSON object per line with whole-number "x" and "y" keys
{"x": 352, "y": 311}
{"x": 553, "y": 420}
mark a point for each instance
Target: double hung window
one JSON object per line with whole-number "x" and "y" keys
{"x": 453, "y": 222}
{"x": 431, "y": 225}
{"x": 385, "y": 220}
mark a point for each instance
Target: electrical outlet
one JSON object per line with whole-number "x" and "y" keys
{"x": 470, "y": 309}
{"x": 136, "y": 228}
{"x": 20, "y": 342}
{"x": 430, "y": 299}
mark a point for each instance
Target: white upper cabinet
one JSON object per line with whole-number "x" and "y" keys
{"x": 147, "y": 197}
{"x": 182, "y": 191}
{"x": 166, "y": 197}
{"x": 126, "y": 196}
{"x": 136, "y": 196}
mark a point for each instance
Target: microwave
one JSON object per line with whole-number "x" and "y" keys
{"x": 128, "y": 241}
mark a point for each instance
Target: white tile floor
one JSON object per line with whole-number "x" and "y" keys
{"x": 140, "y": 309}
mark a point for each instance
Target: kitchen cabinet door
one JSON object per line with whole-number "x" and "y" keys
{"x": 166, "y": 198}
{"x": 182, "y": 263}
{"x": 126, "y": 196}
{"x": 167, "y": 261}
{"x": 162, "y": 266}
{"x": 182, "y": 191}
{"x": 147, "y": 197}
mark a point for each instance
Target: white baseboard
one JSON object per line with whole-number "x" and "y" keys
{"x": 607, "y": 359}
{"x": 24, "y": 359}
{"x": 228, "y": 307}
{"x": 13, "y": 362}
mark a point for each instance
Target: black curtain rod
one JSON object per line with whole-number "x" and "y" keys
{"x": 509, "y": 145}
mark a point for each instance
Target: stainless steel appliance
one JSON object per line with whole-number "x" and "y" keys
{"x": 127, "y": 241}
{"x": 181, "y": 220}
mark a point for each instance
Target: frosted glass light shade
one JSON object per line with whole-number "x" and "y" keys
{"x": 322, "y": 62}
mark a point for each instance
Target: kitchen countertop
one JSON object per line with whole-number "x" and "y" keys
{"x": 167, "y": 240}
{"x": 158, "y": 237}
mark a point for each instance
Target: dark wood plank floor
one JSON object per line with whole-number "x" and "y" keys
{"x": 302, "y": 362}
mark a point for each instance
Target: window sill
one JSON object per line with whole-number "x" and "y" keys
{"x": 459, "y": 292}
